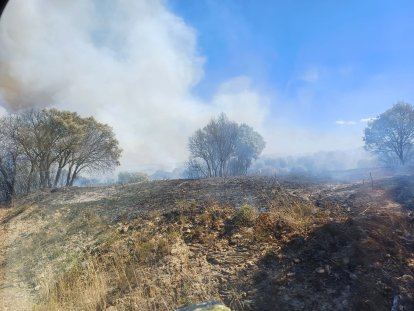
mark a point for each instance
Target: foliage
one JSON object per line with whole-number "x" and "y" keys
{"x": 47, "y": 148}
{"x": 246, "y": 215}
{"x": 223, "y": 148}
{"x": 132, "y": 177}
{"x": 391, "y": 135}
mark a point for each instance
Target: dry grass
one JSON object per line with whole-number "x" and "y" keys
{"x": 282, "y": 223}
{"x": 150, "y": 266}
{"x": 81, "y": 288}
{"x": 299, "y": 217}
{"x": 146, "y": 269}
{"x": 8, "y": 213}
{"x": 141, "y": 249}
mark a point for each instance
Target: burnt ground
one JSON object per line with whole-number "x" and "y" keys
{"x": 354, "y": 251}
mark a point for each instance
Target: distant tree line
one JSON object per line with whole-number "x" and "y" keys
{"x": 223, "y": 148}
{"x": 50, "y": 148}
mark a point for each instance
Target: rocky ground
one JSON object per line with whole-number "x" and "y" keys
{"x": 306, "y": 245}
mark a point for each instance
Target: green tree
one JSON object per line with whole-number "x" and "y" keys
{"x": 97, "y": 150}
{"x": 223, "y": 148}
{"x": 40, "y": 148}
{"x": 391, "y": 134}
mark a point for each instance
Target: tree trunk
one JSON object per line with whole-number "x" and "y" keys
{"x": 72, "y": 180}
{"x": 10, "y": 191}
{"x": 75, "y": 174}
{"x": 42, "y": 178}
{"x": 68, "y": 177}
{"x": 58, "y": 174}
{"x": 48, "y": 178}
{"x": 30, "y": 178}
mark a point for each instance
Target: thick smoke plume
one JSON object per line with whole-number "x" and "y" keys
{"x": 130, "y": 63}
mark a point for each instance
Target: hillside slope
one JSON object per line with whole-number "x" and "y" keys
{"x": 253, "y": 243}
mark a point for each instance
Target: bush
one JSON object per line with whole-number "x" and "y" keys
{"x": 298, "y": 218}
{"x": 129, "y": 178}
{"x": 246, "y": 216}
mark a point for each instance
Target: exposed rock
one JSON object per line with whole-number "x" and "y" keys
{"x": 320, "y": 270}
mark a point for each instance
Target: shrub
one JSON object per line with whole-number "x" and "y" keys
{"x": 298, "y": 217}
{"x": 246, "y": 216}
{"x": 134, "y": 177}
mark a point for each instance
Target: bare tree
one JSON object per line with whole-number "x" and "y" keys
{"x": 391, "y": 135}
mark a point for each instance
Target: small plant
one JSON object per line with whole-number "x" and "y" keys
{"x": 246, "y": 216}
{"x": 297, "y": 217}
{"x": 185, "y": 209}
{"x": 212, "y": 217}
{"x": 265, "y": 228}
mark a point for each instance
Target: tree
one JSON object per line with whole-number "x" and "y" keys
{"x": 9, "y": 154}
{"x": 249, "y": 145}
{"x": 45, "y": 137}
{"x": 391, "y": 134}
{"x": 97, "y": 150}
{"x": 223, "y": 148}
{"x": 40, "y": 148}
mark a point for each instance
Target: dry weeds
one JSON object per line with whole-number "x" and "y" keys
{"x": 299, "y": 248}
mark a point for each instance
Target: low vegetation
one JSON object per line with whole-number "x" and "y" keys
{"x": 149, "y": 264}
{"x": 246, "y": 215}
{"x": 284, "y": 245}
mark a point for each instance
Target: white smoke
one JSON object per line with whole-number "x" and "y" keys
{"x": 130, "y": 63}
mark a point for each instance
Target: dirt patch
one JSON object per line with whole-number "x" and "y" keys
{"x": 15, "y": 293}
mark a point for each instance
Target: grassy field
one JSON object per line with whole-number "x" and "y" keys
{"x": 252, "y": 243}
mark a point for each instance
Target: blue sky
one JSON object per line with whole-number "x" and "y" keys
{"x": 320, "y": 61}
{"x": 302, "y": 73}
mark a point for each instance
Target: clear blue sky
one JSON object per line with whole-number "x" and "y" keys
{"x": 322, "y": 61}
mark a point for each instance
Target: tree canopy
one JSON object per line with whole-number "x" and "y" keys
{"x": 223, "y": 148}
{"x": 391, "y": 134}
{"x": 47, "y": 148}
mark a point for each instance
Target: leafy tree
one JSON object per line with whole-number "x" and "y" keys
{"x": 391, "y": 135}
{"x": 249, "y": 145}
{"x": 97, "y": 150}
{"x": 223, "y": 148}
{"x": 38, "y": 148}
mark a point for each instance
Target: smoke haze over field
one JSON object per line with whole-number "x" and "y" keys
{"x": 134, "y": 65}
{"x": 131, "y": 64}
